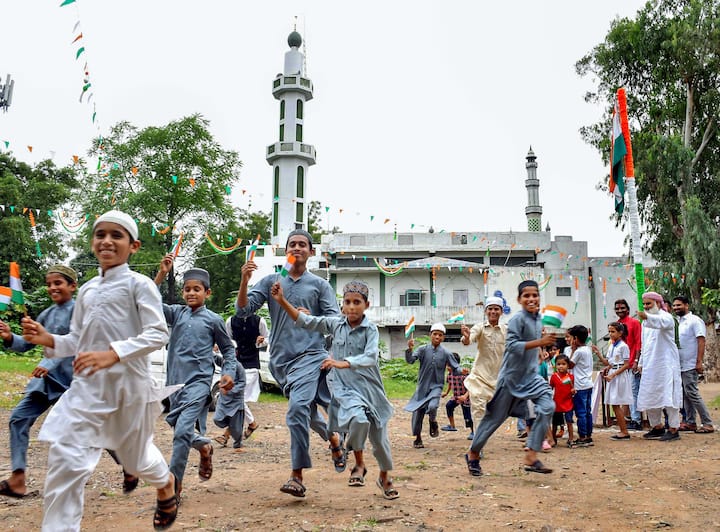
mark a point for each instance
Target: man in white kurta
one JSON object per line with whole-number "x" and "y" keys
{"x": 490, "y": 339}
{"x": 661, "y": 385}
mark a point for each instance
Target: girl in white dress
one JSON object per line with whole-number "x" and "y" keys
{"x": 618, "y": 387}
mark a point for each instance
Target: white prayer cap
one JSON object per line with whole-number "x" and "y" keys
{"x": 124, "y": 220}
{"x": 438, "y": 327}
{"x": 494, "y": 300}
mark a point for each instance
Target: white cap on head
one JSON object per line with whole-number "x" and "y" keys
{"x": 438, "y": 327}
{"x": 122, "y": 219}
{"x": 494, "y": 300}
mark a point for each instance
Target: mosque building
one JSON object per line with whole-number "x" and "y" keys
{"x": 433, "y": 276}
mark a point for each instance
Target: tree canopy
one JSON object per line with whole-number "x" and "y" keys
{"x": 668, "y": 59}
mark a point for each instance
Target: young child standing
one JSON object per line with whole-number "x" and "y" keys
{"x": 563, "y": 384}
{"x": 359, "y": 406}
{"x": 113, "y": 401}
{"x": 431, "y": 377}
{"x": 519, "y": 382}
{"x": 460, "y": 397}
{"x": 191, "y": 362}
{"x": 581, "y": 362}
{"x": 618, "y": 390}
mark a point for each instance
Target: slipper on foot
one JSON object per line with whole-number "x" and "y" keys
{"x": 356, "y": 479}
{"x": 704, "y": 430}
{"x": 537, "y": 467}
{"x": 130, "y": 482}
{"x": 206, "y": 466}
{"x": 249, "y": 431}
{"x": 222, "y": 440}
{"x": 294, "y": 487}
{"x": 473, "y": 466}
{"x": 340, "y": 462}
{"x": 6, "y": 490}
{"x": 617, "y": 437}
{"x": 390, "y": 492}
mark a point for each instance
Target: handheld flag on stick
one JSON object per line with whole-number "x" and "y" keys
{"x": 458, "y": 316}
{"x": 288, "y": 266}
{"x": 16, "y": 285}
{"x": 553, "y": 316}
{"x": 252, "y": 249}
{"x": 176, "y": 247}
{"x": 632, "y": 197}
{"x": 410, "y": 327}
{"x": 5, "y": 297}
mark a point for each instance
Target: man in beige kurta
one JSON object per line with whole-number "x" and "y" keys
{"x": 490, "y": 339}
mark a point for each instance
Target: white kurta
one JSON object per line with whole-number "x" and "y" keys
{"x": 116, "y": 406}
{"x": 660, "y": 384}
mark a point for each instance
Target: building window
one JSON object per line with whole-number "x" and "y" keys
{"x": 299, "y": 109}
{"x": 282, "y": 132}
{"x": 275, "y": 220}
{"x": 460, "y": 298}
{"x": 298, "y": 132}
{"x": 299, "y": 213}
{"x": 276, "y": 183}
{"x": 357, "y": 240}
{"x": 282, "y": 109}
{"x": 300, "y": 182}
{"x": 412, "y": 298}
{"x": 459, "y": 238}
{"x": 563, "y": 291}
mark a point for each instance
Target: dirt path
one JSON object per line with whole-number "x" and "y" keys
{"x": 638, "y": 485}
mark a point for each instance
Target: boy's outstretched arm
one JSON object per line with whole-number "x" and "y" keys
{"x": 246, "y": 272}
{"x": 277, "y": 293}
{"x": 35, "y": 333}
{"x": 166, "y": 265}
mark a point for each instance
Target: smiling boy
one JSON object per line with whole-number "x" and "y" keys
{"x": 195, "y": 331}
{"x": 113, "y": 401}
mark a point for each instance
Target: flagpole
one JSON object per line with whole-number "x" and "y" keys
{"x": 632, "y": 199}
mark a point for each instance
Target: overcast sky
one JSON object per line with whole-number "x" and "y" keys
{"x": 423, "y": 111}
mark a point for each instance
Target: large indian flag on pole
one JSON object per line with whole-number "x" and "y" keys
{"x": 5, "y": 297}
{"x": 618, "y": 150}
{"x": 553, "y": 316}
{"x": 15, "y": 284}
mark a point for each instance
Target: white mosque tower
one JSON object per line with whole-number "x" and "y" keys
{"x": 290, "y": 157}
{"x": 533, "y": 211}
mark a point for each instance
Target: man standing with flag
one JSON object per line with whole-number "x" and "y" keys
{"x": 296, "y": 353}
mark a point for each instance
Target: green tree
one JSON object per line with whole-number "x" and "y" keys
{"x": 668, "y": 59}
{"x": 42, "y": 188}
{"x": 173, "y": 179}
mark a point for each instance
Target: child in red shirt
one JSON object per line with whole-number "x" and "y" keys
{"x": 563, "y": 385}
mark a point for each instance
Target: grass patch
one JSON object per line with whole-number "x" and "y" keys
{"x": 18, "y": 363}
{"x": 272, "y": 397}
{"x": 715, "y": 403}
{"x": 399, "y": 389}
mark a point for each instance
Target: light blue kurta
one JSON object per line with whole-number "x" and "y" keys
{"x": 360, "y": 387}
{"x": 431, "y": 376}
{"x": 191, "y": 362}
{"x": 296, "y": 355}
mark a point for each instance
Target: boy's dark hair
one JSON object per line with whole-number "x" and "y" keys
{"x": 580, "y": 332}
{"x": 527, "y": 284}
{"x": 562, "y": 357}
{"x": 300, "y": 232}
{"x": 618, "y": 327}
{"x": 683, "y": 299}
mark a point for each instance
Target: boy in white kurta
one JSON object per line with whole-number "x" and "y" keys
{"x": 112, "y": 402}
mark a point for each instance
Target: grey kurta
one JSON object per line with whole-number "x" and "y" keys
{"x": 360, "y": 387}
{"x": 431, "y": 376}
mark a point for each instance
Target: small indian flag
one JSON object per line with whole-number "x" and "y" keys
{"x": 567, "y": 380}
{"x": 5, "y": 297}
{"x": 15, "y": 284}
{"x": 176, "y": 247}
{"x": 553, "y": 316}
{"x": 288, "y": 266}
{"x": 410, "y": 327}
{"x": 459, "y": 316}
{"x": 252, "y": 249}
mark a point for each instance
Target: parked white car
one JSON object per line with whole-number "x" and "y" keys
{"x": 267, "y": 381}
{"x": 158, "y": 369}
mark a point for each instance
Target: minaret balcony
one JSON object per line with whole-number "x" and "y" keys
{"x": 295, "y": 83}
{"x": 291, "y": 149}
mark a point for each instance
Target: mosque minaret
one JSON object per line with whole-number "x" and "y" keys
{"x": 290, "y": 157}
{"x": 533, "y": 211}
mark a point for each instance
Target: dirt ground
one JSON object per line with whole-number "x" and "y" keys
{"x": 635, "y": 485}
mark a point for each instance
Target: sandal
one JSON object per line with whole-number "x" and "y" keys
{"x": 223, "y": 440}
{"x": 538, "y": 467}
{"x": 6, "y": 490}
{"x": 294, "y": 487}
{"x": 205, "y": 469}
{"x": 390, "y": 492}
{"x": 418, "y": 444}
{"x": 249, "y": 431}
{"x": 165, "y": 513}
{"x": 130, "y": 482}
{"x": 705, "y": 429}
{"x": 473, "y": 466}
{"x": 355, "y": 479}
{"x": 340, "y": 462}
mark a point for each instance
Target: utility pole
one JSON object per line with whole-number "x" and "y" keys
{"x": 6, "y": 92}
